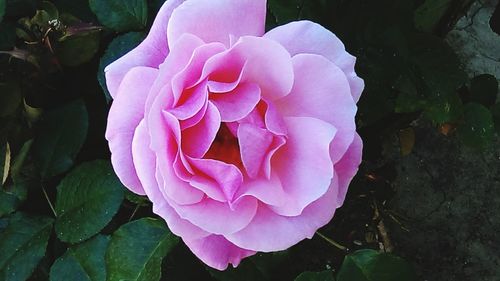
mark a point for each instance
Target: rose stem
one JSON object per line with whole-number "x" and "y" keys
{"x": 330, "y": 241}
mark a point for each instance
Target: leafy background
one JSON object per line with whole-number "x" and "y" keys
{"x": 65, "y": 216}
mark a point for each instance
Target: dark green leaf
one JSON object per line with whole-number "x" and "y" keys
{"x": 61, "y": 134}
{"x": 495, "y": 112}
{"x": 409, "y": 99}
{"x": 76, "y": 7}
{"x": 22, "y": 245}
{"x": 87, "y": 199}
{"x": 77, "y": 49}
{"x": 370, "y": 265}
{"x": 444, "y": 109}
{"x": 10, "y": 98}
{"x": 7, "y": 36}
{"x": 438, "y": 66}
{"x": 117, "y": 48}
{"x": 3, "y": 4}
{"x": 477, "y": 127}
{"x": 484, "y": 89}
{"x": 82, "y": 262}
{"x": 121, "y": 15}
{"x": 137, "y": 249}
{"x": 136, "y": 199}
{"x": 284, "y": 11}
{"x": 8, "y": 203}
{"x": 428, "y": 15}
{"x": 326, "y": 275}
{"x": 18, "y": 161}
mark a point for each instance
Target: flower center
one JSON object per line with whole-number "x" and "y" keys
{"x": 225, "y": 147}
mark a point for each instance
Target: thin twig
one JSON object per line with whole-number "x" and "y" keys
{"x": 135, "y": 211}
{"x": 48, "y": 201}
{"x": 333, "y": 243}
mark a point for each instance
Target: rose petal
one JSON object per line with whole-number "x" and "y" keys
{"x": 269, "y": 232}
{"x": 303, "y": 164}
{"x": 315, "y": 39}
{"x": 238, "y": 103}
{"x": 165, "y": 135}
{"x": 326, "y": 97}
{"x": 254, "y": 145}
{"x": 196, "y": 140}
{"x": 216, "y": 20}
{"x": 145, "y": 161}
{"x": 216, "y": 217}
{"x": 125, "y": 114}
{"x": 217, "y": 252}
{"x": 151, "y": 52}
{"x": 227, "y": 176}
{"x": 347, "y": 167}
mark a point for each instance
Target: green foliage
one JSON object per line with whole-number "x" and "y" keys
{"x": 124, "y": 262}
{"x": 477, "y": 128}
{"x": 87, "y": 200}
{"x": 82, "y": 262}
{"x": 3, "y": 3}
{"x": 121, "y": 15}
{"x": 77, "y": 49}
{"x": 370, "y": 265}
{"x": 117, "y": 48}
{"x": 484, "y": 89}
{"x": 61, "y": 134}
{"x": 22, "y": 244}
{"x": 10, "y": 99}
{"x": 326, "y": 275}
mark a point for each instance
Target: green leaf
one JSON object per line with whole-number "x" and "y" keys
{"x": 121, "y": 15}
{"x": 118, "y": 47}
{"x": 77, "y": 49}
{"x": 8, "y": 203}
{"x": 3, "y": 4}
{"x": 439, "y": 68}
{"x": 315, "y": 276}
{"x": 409, "y": 99}
{"x": 444, "y": 109}
{"x": 7, "y": 36}
{"x": 484, "y": 89}
{"x": 137, "y": 249}
{"x": 87, "y": 199}
{"x": 22, "y": 244}
{"x": 495, "y": 112}
{"x": 429, "y": 14}
{"x": 82, "y": 262}
{"x": 370, "y": 265}
{"x": 284, "y": 11}
{"x": 477, "y": 127}
{"x": 61, "y": 134}
{"x": 10, "y": 98}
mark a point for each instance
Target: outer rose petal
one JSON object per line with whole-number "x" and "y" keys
{"x": 151, "y": 52}
{"x": 303, "y": 163}
{"x": 347, "y": 167}
{"x": 216, "y": 20}
{"x": 145, "y": 161}
{"x": 270, "y": 232}
{"x": 326, "y": 97}
{"x": 217, "y": 252}
{"x": 125, "y": 114}
{"x": 315, "y": 39}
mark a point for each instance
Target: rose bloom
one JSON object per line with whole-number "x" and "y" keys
{"x": 244, "y": 141}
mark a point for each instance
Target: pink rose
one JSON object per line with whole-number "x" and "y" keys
{"x": 244, "y": 141}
